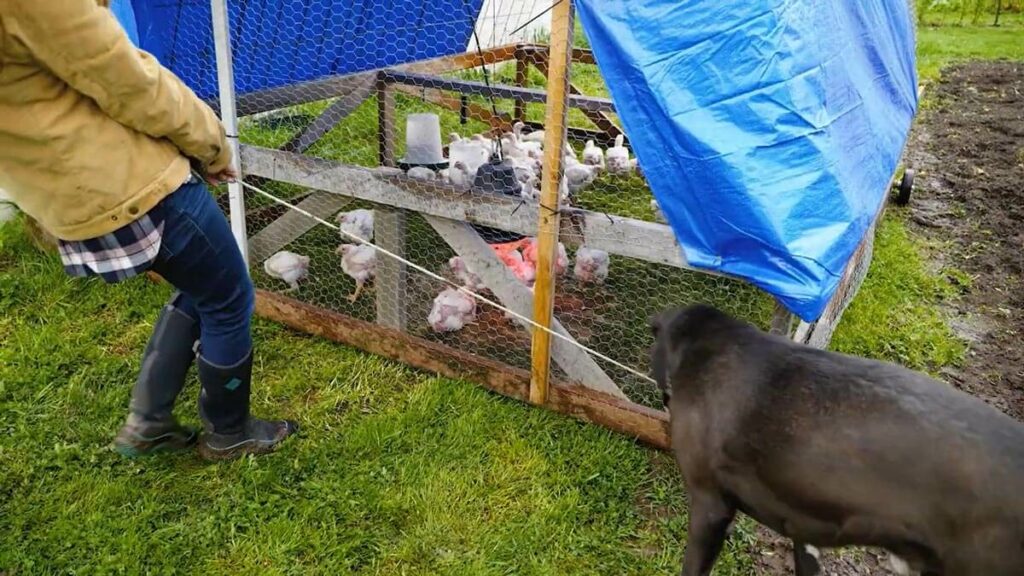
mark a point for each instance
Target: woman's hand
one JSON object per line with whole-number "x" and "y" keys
{"x": 225, "y": 176}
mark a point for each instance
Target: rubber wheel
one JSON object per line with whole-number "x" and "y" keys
{"x": 906, "y": 186}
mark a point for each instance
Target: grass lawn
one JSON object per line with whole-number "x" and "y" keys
{"x": 941, "y": 41}
{"x": 395, "y": 472}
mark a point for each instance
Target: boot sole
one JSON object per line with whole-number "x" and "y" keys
{"x": 235, "y": 452}
{"x": 169, "y": 443}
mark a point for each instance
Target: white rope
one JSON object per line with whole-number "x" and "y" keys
{"x": 440, "y": 278}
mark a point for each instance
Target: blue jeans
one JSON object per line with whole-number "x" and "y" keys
{"x": 199, "y": 256}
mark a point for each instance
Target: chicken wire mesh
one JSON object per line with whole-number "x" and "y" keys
{"x": 445, "y": 135}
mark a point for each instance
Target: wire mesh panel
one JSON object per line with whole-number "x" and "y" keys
{"x": 412, "y": 175}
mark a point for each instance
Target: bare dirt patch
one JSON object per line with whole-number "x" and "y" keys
{"x": 968, "y": 149}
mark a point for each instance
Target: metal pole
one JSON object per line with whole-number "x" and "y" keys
{"x": 555, "y": 130}
{"x": 228, "y": 115}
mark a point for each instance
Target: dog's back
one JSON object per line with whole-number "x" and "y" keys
{"x": 834, "y": 450}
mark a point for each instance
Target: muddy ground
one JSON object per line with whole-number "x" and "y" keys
{"x": 967, "y": 149}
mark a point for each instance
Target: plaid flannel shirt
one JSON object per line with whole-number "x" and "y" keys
{"x": 121, "y": 254}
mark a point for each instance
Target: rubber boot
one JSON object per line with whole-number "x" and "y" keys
{"x": 150, "y": 426}
{"x": 224, "y": 407}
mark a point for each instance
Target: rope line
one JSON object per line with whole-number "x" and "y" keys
{"x": 440, "y": 278}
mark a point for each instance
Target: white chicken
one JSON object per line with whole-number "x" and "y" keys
{"x": 462, "y": 271}
{"x": 531, "y": 193}
{"x": 591, "y": 265}
{"x": 524, "y": 170}
{"x": 530, "y": 143}
{"x": 484, "y": 142}
{"x": 535, "y": 136}
{"x": 358, "y": 223}
{"x": 459, "y": 175}
{"x": 512, "y": 147}
{"x": 530, "y": 255}
{"x": 421, "y": 173}
{"x": 454, "y": 137}
{"x": 287, "y": 266}
{"x": 592, "y": 154}
{"x": 617, "y": 158}
{"x": 452, "y": 311}
{"x": 359, "y": 261}
{"x": 580, "y": 176}
{"x": 634, "y": 165}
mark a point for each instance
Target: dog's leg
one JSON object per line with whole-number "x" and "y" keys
{"x": 805, "y": 558}
{"x": 710, "y": 516}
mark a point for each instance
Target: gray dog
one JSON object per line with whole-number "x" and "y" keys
{"x": 832, "y": 450}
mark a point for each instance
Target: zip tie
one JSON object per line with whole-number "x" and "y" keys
{"x": 440, "y": 278}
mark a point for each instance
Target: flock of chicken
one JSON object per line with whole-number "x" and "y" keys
{"x": 525, "y": 153}
{"x": 453, "y": 308}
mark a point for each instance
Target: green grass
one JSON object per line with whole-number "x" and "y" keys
{"x": 895, "y": 317}
{"x": 395, "y": 472}
{"x": 941, "y": 45}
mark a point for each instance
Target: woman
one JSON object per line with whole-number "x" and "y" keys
{"x": 97, "y": 143}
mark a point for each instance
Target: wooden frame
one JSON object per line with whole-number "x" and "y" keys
{"x": 588, "y": 394}
{"x": 645, "y": 424}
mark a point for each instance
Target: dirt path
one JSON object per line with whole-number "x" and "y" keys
{"x": 968, "y": 151}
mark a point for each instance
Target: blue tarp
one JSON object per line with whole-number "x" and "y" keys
{"x": 124, "y": 12}
{"x": 767, "y": 129}
{"x": 290, "y": 41}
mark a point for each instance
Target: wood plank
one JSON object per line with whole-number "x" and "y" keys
{"x": 819, "y": 333}
{"x": 335, "y": 113}
{"x": 293, "y": 94}
{"x": 463, "y": 61}
{"x": 617, "y": 235}
{"x": 645, "y": 424}
{"x": 555, "y": 121}
{"x": 467, "y": 243}
{"x": 782, "y": 320}
{"x": 579, "y": 55}
{"x": 392, "y": 276}
{"x": 470, "y": 87}
{"x": 386, "y": 129}
{"x": 292, "y": 225}
{"x": 602, "y": 120}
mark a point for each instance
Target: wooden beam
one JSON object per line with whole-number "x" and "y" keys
{"x": 602, "y": 120}
{"x": 645, "y": 424}
{"x": 290, "y": 226}
{"x": 386, "y": 129}
{"x": 293, "y": 94}
{"x": 392, "y": 277}
{"x": 334, "y": 114}
{"x": 579, "y": 55}
{"x": 782, "y": 320}
{"x": 473, "y": 88}
{"x": 819, "y": 333}
{"x": 555, "y": 122}
{"x": 574, "y": 361}
{"x": 617, "y": 235}
{"x": 463, "y": 61}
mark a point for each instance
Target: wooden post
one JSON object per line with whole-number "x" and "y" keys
{"x": 385, "y": 123}
{"x": 547, "y": 227}
{"x": 392, "y": 276}
{"x": 521, "y": 75}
